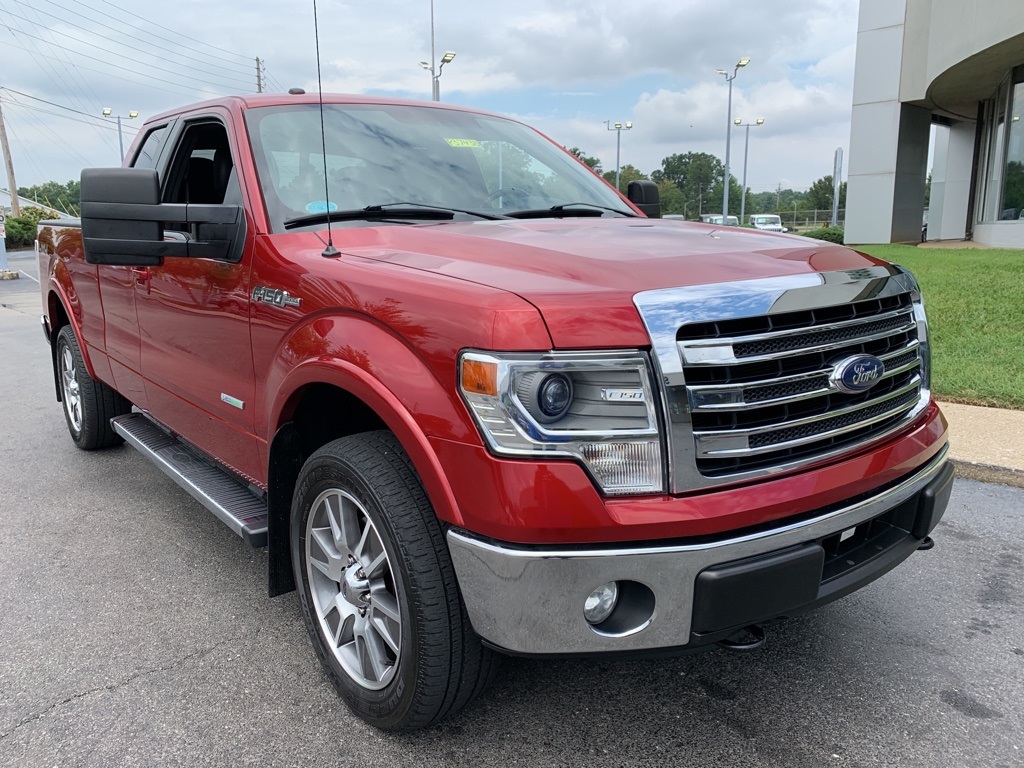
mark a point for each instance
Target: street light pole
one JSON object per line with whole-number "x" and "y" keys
{"x": 432, "y": 67}
{"x": 618, "y": 128}
{"x": 728, "y": 134}
{"x": 746, "y": 150}
{"x": 107, "y": 112}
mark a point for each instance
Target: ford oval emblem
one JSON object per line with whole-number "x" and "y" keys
{"x": 857, "y": 374}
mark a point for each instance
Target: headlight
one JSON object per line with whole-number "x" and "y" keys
{"x": 595, "y": 407}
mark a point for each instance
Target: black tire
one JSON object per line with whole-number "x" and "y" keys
{"x": 440, "y": 664}
{"x": 89, "y": 405}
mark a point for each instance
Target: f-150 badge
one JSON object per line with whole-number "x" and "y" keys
{"x": 274, "y": 296}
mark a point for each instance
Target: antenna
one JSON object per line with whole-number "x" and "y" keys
{"x": 330, "y": 252}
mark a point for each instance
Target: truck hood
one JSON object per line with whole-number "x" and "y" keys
{"x": 582, "y": 274}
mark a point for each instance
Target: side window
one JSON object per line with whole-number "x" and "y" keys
{"x": 149, "y": 152}
{"x": 202, "y": 169}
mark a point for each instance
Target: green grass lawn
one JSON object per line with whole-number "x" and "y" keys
{"x": 975, "y": 304}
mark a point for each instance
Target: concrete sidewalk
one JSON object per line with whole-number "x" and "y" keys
{"x": 986, "y": 443}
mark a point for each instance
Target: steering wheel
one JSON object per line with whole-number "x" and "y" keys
{"x": 510, "y": 192}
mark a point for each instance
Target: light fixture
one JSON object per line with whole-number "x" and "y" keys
{"x": 108, "y": 112}
{"x": 425, "y": 65}
{"x": 448, "y": 56}
{"x": 746, "y": 148}
{"x": 744, "y": 60}
{"x": 618, "y": 128}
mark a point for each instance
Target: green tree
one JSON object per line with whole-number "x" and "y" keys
{"x": 694, "y": 174}
{"x": 627, "y": 173}
{"x": 672, "y": 200}
{"x": 591, "y": 162}
{"x": 66, "y": 197}
{"x": 819, "y": 196}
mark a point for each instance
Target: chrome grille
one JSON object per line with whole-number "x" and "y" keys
{"x": 748, "y": 376}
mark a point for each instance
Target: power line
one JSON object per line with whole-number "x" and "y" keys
{"x": 104, "y": 125}
{"x": 88, "y": 43}
{"x": 107, "y": 63}
{"x": 46, "y": 66}
{"x": 177, "y": 54}
{"x": 57, "y": 138}
{"x": 179, "y": 92}
{"x": 167, "y": 29}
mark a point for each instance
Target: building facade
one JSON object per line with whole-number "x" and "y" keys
{"x": 957, "y": 65}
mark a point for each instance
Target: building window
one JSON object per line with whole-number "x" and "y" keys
{"x": 1013, "y": 185}
{"x": 1002, "y": 161}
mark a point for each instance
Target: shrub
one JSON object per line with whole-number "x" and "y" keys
{"x": 831, "y": 234}
{"x": 21, "y": 230}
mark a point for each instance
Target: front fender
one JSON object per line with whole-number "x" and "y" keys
{"x": 371, "y": 363}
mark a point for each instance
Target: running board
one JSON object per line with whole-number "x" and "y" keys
{"x": 239, "y": 508}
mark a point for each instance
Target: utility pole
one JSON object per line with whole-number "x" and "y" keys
{"x": 259, "y": 75}
{"x": 12, "y": 185}
{"x": 778, "y": 198}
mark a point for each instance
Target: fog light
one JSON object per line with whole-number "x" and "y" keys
{"x": 601, "y": 603}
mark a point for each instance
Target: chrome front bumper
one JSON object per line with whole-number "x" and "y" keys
{"x": 530, "y": 600}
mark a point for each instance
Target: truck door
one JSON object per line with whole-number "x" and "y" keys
{"x": 194, "y": 312}
{"x": 117, "y": 286}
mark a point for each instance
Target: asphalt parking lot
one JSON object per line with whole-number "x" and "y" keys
{"x": 137, "y": 631}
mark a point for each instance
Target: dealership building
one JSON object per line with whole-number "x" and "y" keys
{"x": 957, "y": 65}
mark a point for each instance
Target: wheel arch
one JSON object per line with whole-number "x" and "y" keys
{"x": 326, "y": 400}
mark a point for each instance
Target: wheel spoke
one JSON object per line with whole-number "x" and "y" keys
{"x": 334, "y": 566}
{"x": 332, "y": 518}
{"x": 380, "y": 626}
{"x": 360, "y": 548}
{"x": 385, "y": 604}
{"x": 374, "y": 651}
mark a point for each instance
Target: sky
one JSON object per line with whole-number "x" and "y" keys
{"x": 565, "y": 68}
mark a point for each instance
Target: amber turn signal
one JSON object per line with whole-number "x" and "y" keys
{"x": 480, "y": 377}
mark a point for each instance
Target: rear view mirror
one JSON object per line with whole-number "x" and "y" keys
{"x": 645, "y": 196}
{"x": 123, "y": 222}
{"x": 134, "y": 240}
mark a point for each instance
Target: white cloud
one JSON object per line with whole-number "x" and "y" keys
{"x": 567, "y": 67}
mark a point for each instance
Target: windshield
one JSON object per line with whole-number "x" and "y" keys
{"x": 767, "y": 220}
{"x": 380, "y": 154}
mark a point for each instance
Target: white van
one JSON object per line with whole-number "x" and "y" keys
{"x": 769, "y": 222}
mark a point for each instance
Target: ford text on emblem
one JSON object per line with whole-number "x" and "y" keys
{"x": 857, "y": 374}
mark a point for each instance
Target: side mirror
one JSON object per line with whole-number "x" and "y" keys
{"x": 123, "y": 222}
{"x": 645, "y": 196}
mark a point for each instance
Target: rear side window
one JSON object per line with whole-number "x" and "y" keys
{"x": 149, "y": 152}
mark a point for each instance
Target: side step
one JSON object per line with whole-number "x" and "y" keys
{"x": 239, "y": 508}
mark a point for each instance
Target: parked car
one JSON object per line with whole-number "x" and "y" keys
{"x": 711, "y": 218}
{"x": 473, "y": 404}
{"x": 768, "y": 222}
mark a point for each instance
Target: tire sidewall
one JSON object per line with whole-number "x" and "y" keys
{"x": 66, "y": 340}
{"x": 389, "y": 705}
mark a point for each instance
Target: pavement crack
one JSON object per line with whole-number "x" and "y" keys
{"x": 119, "y": 684}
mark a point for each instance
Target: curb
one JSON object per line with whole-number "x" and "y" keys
{"x": 987, "y": 473}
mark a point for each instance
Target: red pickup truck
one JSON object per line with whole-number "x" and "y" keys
{"x": 474, "y": 402}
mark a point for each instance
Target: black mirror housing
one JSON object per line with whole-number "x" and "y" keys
{"x": 645, "y": 196}
{"x": 123, "y": 222}
{"x": 109, "y": 240}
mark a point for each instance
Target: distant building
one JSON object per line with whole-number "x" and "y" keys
{"x": 956, "y": 64}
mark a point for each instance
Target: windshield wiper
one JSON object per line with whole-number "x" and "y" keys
{"x": 478, "y": 214}
{"x": 369, "y": 213}
{"x": 568, "y": 209}
{"x": 385, "y": 211}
